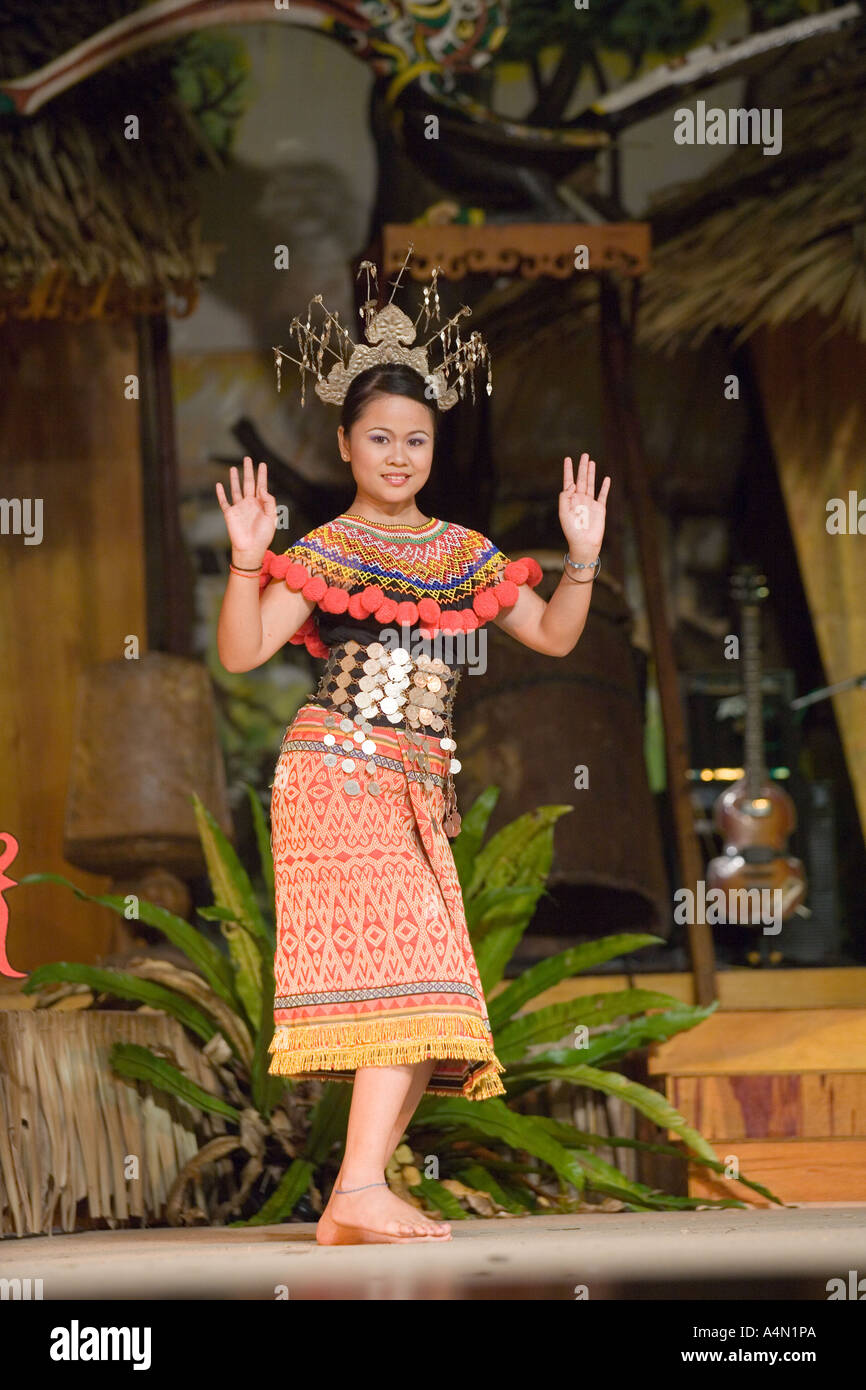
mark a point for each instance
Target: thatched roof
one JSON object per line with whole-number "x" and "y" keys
{"x": 92, "y": 223}
{"x": 765, "y": 239}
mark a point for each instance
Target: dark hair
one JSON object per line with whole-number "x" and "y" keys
{"x": 386, "y": 379}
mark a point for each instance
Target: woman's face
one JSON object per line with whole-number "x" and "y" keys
{"x": 390, "y": 447}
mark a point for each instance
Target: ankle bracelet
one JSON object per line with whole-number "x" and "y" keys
{"x": 340, "y": 1191}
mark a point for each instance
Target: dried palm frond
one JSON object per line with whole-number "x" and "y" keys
{"x": 764, "y": 241}
{"x": 72, "y": 1127}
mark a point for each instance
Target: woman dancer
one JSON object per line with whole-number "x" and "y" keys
{"x": 376, "y": 980}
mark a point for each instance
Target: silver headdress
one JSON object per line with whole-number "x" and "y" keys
{"x": 390, "y": 334}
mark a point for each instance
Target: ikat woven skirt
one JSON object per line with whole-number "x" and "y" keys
{"x": 373, "y": 966}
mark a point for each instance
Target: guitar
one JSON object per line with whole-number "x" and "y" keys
{"x": 754, "y": 816}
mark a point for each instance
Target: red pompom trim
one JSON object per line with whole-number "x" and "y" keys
{"x": 296, "y": 575}
{"x": 308, "y": 636}
{"x": 335, "y": 600}
{"x": 407, "y": 612}
{"x": 387, "y": 610}
{"x": 315, "y": 588}
{"x": 517, "y": 571}
{"x": 507, "y": 593}
{"x": 536, "y": 573}
{"x": 303, "y": 632}
{"x": 486, "y": 604}
{"x": 371, "y": 597}
{"x": 265, "y": 576}
{"x": 428, "y": 610}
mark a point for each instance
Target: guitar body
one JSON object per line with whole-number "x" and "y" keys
{"x": 761, "y": 815}
{"x": 733, "y": 873}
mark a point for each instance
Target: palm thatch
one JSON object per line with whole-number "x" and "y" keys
{"x": 92, "y": 222}
{"x": 764, "y": 240}
{"x": 70, "y": 1122}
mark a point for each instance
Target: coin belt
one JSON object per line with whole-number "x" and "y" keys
{"x": 360, "y": 683}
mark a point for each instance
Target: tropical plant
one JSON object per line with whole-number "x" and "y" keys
{"x": 502, "y": 881}
{"x": 490, "y": 1156}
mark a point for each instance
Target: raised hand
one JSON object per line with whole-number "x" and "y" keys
{"x": 251, "y": 519}
{"x": 581, "y": 513}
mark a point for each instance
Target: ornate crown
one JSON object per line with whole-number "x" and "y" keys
{"x": 390, "y": 334}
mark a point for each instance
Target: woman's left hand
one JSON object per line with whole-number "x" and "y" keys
{"x": 581, "y": 513}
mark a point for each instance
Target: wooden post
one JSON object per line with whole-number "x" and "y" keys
{"x": 621, "y": 408}
{"x": 169, "y": 572}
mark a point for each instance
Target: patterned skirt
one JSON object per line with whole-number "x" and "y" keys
{"x": 373, "y": 966}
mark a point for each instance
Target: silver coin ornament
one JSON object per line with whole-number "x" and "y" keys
{"x": 390, "y": 685}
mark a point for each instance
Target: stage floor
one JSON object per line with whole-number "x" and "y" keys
{"x": 763, "y": 1254}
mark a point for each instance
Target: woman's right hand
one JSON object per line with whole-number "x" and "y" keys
{"x": 251, "y": 519}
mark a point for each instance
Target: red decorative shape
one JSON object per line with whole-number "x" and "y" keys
{"x": 450, "y": 622}
{"x": 407, "y": 612}
{"x": 507, "y": 593}
{"x": 485, "y": 604}
{"x": 335, "y": 600}
{"x": 265, "y": 575}
{"x": 387, "y": 611}
{"x": 296, "y": 575}
{"x": 315, "y": 588}
{"x": 278, "y": 566}
{"x": 517, "y": 571}
{"x": 536, "y": 573}
{"x": 308, "y": 636}
{"x": 371, "y": 597}
{"x": 428, "y": 610}
{"x": 356, "y": 608}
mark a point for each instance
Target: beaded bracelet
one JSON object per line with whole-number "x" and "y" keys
{"x": 244, "y": 574}
{"x": 576, "y": 565}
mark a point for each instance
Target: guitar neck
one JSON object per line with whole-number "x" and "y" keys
{"x": 755, "y": 764}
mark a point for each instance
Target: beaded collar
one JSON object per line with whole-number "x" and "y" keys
{"x": 399, "y": 530}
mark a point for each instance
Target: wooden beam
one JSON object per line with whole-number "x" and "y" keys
{"x": 621, "y": 407}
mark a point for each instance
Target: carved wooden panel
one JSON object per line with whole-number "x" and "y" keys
{"x": 527, "y": 249}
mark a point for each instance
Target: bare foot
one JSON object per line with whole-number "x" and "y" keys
{"x": 375, "y": 1215}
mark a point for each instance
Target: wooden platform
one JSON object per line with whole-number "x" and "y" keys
{"x": 781, "y": 1096}
{"x": 787, "y": 1254}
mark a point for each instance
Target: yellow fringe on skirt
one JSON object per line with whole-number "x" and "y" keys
{"x": 325, "y": 1047}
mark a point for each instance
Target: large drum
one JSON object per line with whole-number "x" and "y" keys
{"x": 571, "y": 730}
